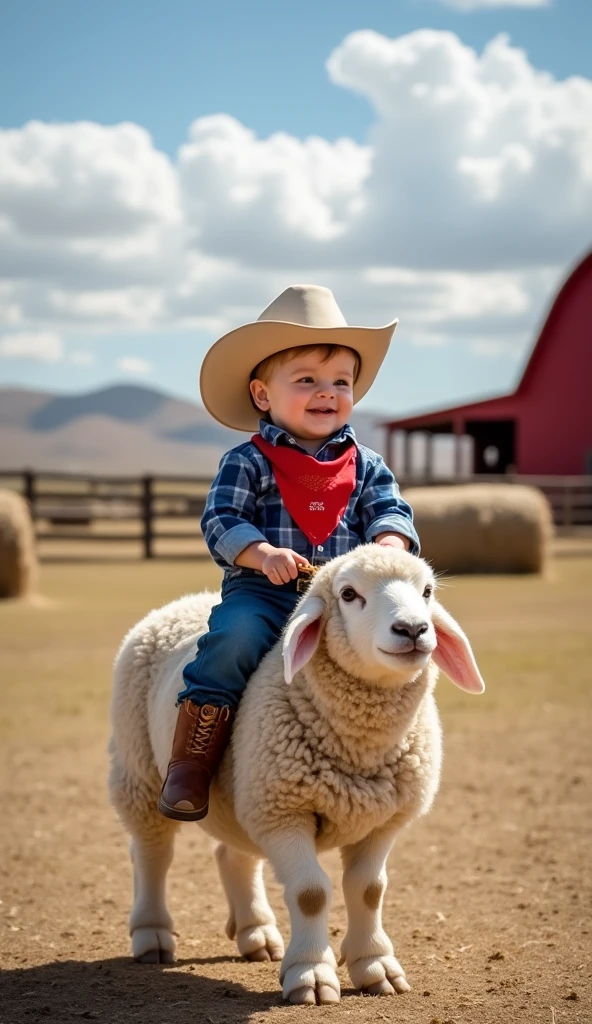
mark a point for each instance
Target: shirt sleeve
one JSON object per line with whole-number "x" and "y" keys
{"x": 382, "y": 507}
{"x": 227, "y": 521}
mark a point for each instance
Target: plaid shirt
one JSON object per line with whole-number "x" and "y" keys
{"x": 244, "y": 505}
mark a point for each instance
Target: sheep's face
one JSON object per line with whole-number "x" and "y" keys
{"x": 385, "y": 616}
{"x": 380, "y": 620}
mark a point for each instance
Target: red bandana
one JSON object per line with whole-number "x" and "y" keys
{"x": 315, "y": 493}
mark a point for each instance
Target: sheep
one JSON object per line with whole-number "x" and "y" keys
{"x": 336, "y": 743}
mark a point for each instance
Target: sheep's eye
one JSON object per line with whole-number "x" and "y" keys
{"x": 429, "y": 590}
{"x": 348, "y": 594}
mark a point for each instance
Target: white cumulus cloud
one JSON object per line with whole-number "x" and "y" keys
{"x": 40, "y": 346}
{"x": 86, "y": 207}
{"x": 461, "y": 210}
{"x": 478, "y": 160}
{"x": 85, "y": 180}
{"x": 248, "y": 197}
{"x": 132, "y": 364}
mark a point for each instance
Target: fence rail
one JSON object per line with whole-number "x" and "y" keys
{"x": 570, "y": 497}
{"x": 67, "y": 506}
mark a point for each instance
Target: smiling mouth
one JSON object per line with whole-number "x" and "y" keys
{"x": 321, "y": 412}
{"x": 413, "y": 653}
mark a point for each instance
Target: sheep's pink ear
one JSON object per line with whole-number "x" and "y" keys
{"x": 302, "y": 635}
{"x": 453, "y": 652}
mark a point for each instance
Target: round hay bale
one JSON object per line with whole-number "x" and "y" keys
{"x": 483, "y": 528}
{"x": 18, "y": 559}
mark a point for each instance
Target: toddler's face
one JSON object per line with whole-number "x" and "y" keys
{"x": 309, "y": 398}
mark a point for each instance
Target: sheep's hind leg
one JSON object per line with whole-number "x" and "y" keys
{"x": 151, "y": 849}
{"x": 251, "y": 920}
{"x": 151, "y": 925}
{"x": 366, "y": 948}
{"x": 308, "y": 973}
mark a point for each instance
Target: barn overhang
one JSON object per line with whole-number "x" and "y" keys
{"x": 491, "y": 423}
{"x": 451, "y": 420}
{"x": 544, "y": 427}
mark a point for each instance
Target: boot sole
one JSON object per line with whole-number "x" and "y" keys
{"x": 177, "y": 815}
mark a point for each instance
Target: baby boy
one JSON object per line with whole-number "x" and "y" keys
{"x": 300, "y": 492}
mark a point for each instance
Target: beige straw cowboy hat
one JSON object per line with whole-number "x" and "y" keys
{"x": 304, "y": 314}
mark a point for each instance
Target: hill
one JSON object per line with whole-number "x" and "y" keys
{"x": 123, "y": 429}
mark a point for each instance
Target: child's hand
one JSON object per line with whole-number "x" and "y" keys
{"x": 393, "y": 540}
{"x": 281, "y": 565}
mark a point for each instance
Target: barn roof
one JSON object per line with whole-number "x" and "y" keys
{"x": 507, "y": 404}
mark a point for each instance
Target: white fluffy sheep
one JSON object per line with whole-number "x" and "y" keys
{"x": 344, "y": 756}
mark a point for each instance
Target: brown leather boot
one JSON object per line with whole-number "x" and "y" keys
{"x": 201, "y": 737}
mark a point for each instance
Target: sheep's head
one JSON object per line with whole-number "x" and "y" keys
{"x": 381, "y": 622}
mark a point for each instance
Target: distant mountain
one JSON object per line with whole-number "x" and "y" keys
{"x": 124, "y": 429}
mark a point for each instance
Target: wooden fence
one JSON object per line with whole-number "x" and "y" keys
{"x": 570, "y": 497}
{"x": 71, "y": 507}
{"x": 68, "y": 507}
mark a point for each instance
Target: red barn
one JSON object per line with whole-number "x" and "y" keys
{"x": 545, "y": 426}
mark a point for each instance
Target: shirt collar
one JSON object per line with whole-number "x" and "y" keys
{"x": 269, "y": 432}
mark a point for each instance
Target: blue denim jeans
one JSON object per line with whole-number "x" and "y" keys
{"x": 242, "y": 629}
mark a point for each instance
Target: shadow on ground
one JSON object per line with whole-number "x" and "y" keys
{"x": 117, "y": 990}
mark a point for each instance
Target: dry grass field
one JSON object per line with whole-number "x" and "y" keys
{"x": 489, "y": 897}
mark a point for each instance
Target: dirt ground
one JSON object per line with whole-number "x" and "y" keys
{"x": 488, "y": 902}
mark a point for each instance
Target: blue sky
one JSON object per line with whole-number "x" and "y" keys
{"x": 72, "y": 324}
{"x": 162, "y": 65}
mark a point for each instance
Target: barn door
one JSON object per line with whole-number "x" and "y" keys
{"x": 494, "y": 445}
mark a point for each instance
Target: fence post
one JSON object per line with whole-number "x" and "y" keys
{"x": 29, "y": 490}
{"x": 147, "y": 515}
{"x": 567, "y": 506}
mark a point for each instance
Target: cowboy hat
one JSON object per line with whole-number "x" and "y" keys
{"x": 304, "y": 314}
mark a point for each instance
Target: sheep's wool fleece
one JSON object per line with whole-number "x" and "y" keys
{"x": 483, "y": 528}
{"x": 329, "y": 748}
{"x": 293, "y": 761}
{"x": 18, "y": 560}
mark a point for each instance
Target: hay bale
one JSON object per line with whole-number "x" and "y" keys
{"x": 483, "y": 528}
{"x": 18, "y": 559}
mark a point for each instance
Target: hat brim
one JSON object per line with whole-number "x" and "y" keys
{"x": 227, "y": 367}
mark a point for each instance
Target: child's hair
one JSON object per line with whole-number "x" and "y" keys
{"x": 266, "y": 367}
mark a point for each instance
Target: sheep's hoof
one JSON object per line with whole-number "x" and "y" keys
{"x": 303, "y": 995}
{"x": 261, "y": 943}
{"x": 380, "y": 988}
{"x": 258, "y": 955}
{"x": 153, "y": 946}
{"x": 307, "y": 984}
{"x": 156, "y": 956}
{"x": 379, "y": 976}
{"x": 320, "y": 995}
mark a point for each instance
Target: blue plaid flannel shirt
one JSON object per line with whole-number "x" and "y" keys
{"x": 244, "y": 504}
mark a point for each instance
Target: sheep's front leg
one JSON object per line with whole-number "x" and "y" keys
{"x": 308, "y": 973}
{"x": 251, "y": 920}
{"x": 366, "y": 948}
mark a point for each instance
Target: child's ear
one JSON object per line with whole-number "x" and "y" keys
{"x": 259, "y": 394}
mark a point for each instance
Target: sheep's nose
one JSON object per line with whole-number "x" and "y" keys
{"x": 413, "y": 630}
